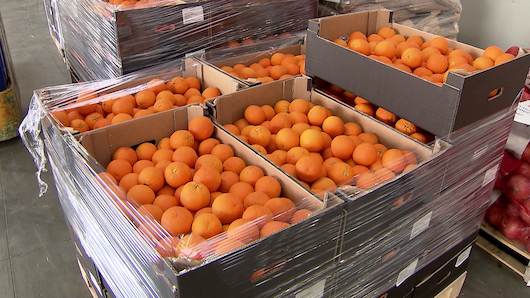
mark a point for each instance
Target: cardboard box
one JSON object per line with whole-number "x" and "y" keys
{"x": 247, "y": 59}
{"x": 104, "y": 41}
{"x": 440, "y": 278}
{"x": 207, "y": 75}
{"x": 439, "y": 110}
{"x": 284, "y": 256}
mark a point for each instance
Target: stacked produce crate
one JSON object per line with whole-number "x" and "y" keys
{"x": 104, "y": 40}
{"x": 399, "y": 236}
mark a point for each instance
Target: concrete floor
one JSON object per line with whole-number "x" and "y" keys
{"x": 37, "y": 256}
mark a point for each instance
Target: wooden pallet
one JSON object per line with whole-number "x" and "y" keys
{"x": 453, "y": 290}
{"x": 90, "y": 282}
{"x": 509, "y": 252}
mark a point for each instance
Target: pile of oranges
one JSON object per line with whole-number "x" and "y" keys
{"x": 317, "y": 148}
{"x": 430, "y": 60}
{"x": 92, "y": 110}
{"x": 379, "y": 113}
{"x": 279, "y": 66}
{"x": 191, "y": 183}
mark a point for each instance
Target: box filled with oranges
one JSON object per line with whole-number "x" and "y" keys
{"x": 444, "y": 94}
{"x": 105, "y": 39}
{"x": 327, "y": 145}
{"x": 261, "y": 66}
{"x": 88, "y": 106}
{"x": 221, "y": 193}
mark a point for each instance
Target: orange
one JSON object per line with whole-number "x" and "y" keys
{"x": 194, "y": 196}
{"x": 241, "y": 190}
{"x": 308, "y": 168}
{"x": 357, "y": 35}
{"x": 243, "y": 230}
{"x": 206, "y": 146}
{"x": 251, "y": 174}
{"x": 422, "y": 71}
{"x": 246, "y": 73}
{"x": 403, "y": 67}
{"x": 145, "y": 98}
{"x": 141, "y": 194}
{"x": 317, "y": 115}
{"x": 151, "y": 210}
{"x": 264, "y": 62}
{"x": 340, "y": 42}
{"x": 129, "y": 181}
{"x": 223, "y": 151}
{"x": 400, "y": 48}
{"x": 122, "y": 105}
{"x": 383, "y": 174}
{"x": 162, "y": 154}
{"x": 294, "y": 154}
{"x": 366, "y": 180}
{"x": 419, "y": 137}
{"x": 482, "y": 63}
{"x": 269, "y": 186}
{"x": 290, "y": 169}
{"x": 163, "y": 144}
{"x": 162, "y": 105}
{"x": 385, "y": 116}
{"x": 276, "y": 59}
{"x": 162, "y": 165}
{"x": 119, "y": 168}
{"x": 297, "y": 117}
{"x": 259, "y": 135}
{"x": 504, "y": 58}
{"x": 206, "y": 225}
{"x": 255, "y": 115}
{"x": 323, "y": 184}
{"x": 299, "y": 105}
{"x": 142, "y": 164}
{"x": 352, "y": 129}
{"x": 365, "y": 154}
{"x": 368, "y": 137}
{"x": 381, "y": 149}
{"x": 79, "y": 125}
{"x": 463, "y": 54}
{"x": 181, "y": 138}
{"x": 177, "y": 174}
{"x": 375, "y": 37}
{"x": 126, "y": 153}
{"x": 232, "y": 128}
{"x": 208, "y": 176}
{"x": 342, "y": 146}
{"x": 455, "y": 61}
{"x": 437, "y": 63}
{"x": 365, "y": 108}
{"x": 333, "y": 126}
{"x": 341, "y": 173}
{"x": 122, "y": 117}
{"x": 441, "y": 44}
{"x": 272, "y": 227}
{"x": 234, "y": 164}
{"x": 385, "y": 48}
{"x": 299, "y": 215}
{"x": 186, "y": 155}
{"x": 177, "y": 220}
{"x": 412, "y": 57}
{"x": 227, "y": 180}
{"x": 201, "y": 128}
{"x": 152, "y": 177}
{"x": 258, "y": 214}
{"x": 428, "y": 51}
{"x": 277, "y": 71}
{"x": 311, "y": 140}
{"x": 286, "y": 139}
{"x": 209, "y": 160}
{"x": 156, "y": 85}
{"x": 165, "y": 201}
{"x": 281, "y": 208}
{"x": 210, "y": 92}
{"x": 406, "y": 127}
{"x": 299, "y": 128}
{"x": 394, "y": 160}
{"x": 202, "y": 211}
{"x": 386, "y": 32}
{"x": 492, "y": 52}
{"x": 178, "y": 85}
{"x": 193, "y": 82}
{"x": 415, "y": 39}
{"x": 227, "y": 207}
{"x": 255, "y": 198}
{"x": 361, "y": 46}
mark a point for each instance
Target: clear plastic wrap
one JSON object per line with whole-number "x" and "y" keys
{"x": 104, "y": 40}
{"x": 437, "y": 17}
{"x": 373, "y": 239}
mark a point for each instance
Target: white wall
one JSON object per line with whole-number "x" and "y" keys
{"x": 503, "y": 23}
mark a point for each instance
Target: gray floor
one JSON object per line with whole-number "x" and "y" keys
{"x": 37, "y": 256}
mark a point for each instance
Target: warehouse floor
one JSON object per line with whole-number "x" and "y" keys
{"x": 37, "y": 256}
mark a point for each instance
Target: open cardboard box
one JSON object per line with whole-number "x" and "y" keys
{"x": 311, "y": 242}
{"x": 248, "y": 59}
{"x": 461, "y": 101}
{"x": 66, "y": 95}
{"x": 394, "y": 199}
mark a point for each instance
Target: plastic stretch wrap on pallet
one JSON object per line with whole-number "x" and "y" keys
{"x": 357, "y": 242}
{"x": 438, "y": 17}
{"x": 103, "y": 40}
